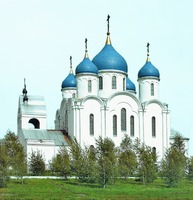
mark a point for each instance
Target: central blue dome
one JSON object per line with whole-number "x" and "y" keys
{"x": 148, "y": 70}
{"x": 109, "y": 59}
{"x": 86, "y": 66}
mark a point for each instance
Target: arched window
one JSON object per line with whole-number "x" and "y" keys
{"x": 154, "y": 153}
{"x": 154, "y": 150}
{"x": 114, "y": 125}
{"x": 34, "y": 123}
{"x": 153, "y": 121}
{"x": 114, "y": 82}
{"x": 132, "y": 125}
{"x": 91, "y": 124}
{"x": 152, "y": 89}
{"x": 66, "y": 121}
{"x": 124, "y": 84}
{"x": 89, "y": 86}
{"x": 123, "y": 119}
{"x": 100, "y": 82}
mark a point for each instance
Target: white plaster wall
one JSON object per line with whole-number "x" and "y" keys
{"x": 26, "y": 118}
{"x": 154, "y": 110}
{"x": 91, "y": 106}
{"x": 114, "y": 108}
{"x": 145, "y": 89}
{"x": 68, "y": 93}
{"x": 82, "y": 85}
{"x": 107, "y": 83}
{"x": 47, "y": 148}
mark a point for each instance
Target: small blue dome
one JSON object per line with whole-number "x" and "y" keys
{"x": 86, "y": 66}
{"x": 69, "y": 81}
{"x": 109, "y": 59}
{"x": 130, "y": 85}
{"x": 148, "y": 70}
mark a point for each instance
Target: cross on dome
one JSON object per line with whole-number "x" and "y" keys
{"x": 86, "y": 50}
{"x": 148, "y": 59}
{"x": 108, "y": 40}
{"x": 71, "y": 65}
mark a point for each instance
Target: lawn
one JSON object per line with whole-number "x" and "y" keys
{"x": 71, "y": 189}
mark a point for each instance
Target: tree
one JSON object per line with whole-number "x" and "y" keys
{"x": 190, "y": 168}
{"x": 91, "y": 164}
{"x": 173, "y": 166}
{"x": 36, "y": 163}
{"x": 61, "y": 163}
{"x": 147, "y": 166}
{"x": 3, "y": 166}
{"x": 15, "y": 155}
{"x": 78, "y": 161}
{"x": 107, "y": 160}
{"x": 127, "y": 158}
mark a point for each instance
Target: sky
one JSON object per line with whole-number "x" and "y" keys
{"x": 37, "y": 38}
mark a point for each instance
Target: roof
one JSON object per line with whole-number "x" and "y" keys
{"x": 69, "y": 81}
{"x": 86, "y": 66}
{"x": 34, "y": 106}
{"x": 148, "y": 70}
{"x": 109, "y": 59}
{"x": 130, "y": 85}
{"x": 41, "y": 134}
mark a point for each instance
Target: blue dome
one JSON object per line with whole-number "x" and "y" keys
{"x": 129, "y": 84}
{"x": 69, "y": 81}
{"x": 109, "y": 59}
{"x": 86, "y": 66}
{"x": 148, "y": 70}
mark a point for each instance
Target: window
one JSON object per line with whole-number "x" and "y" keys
{"x": 114, "y": 82}
{"x": 152, "y": 89}
{"x": 89, "y": 86}
{"x": 154, "y": 150}
{"x": 123, "y": 119}
{"x": 34, "y": 123}
{"x": 123, "y": 84}
{"x": 114, "y": 125}
{"x": 100, "y": 82}
{"x": 66, "y": 121}
{"x": 132, "y": 125}
{"x": 91, "y": 124}
{"x": 153, "y": 126}
{"x": 154, "y": 153}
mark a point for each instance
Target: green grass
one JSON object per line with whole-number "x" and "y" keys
{"x": 71, "y": 189}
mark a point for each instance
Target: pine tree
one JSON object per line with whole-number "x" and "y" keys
{"x": 36, "y": 163}
{"x": 3, "y": 166}
{"x": 127, "y": 158}
{"x": 147, "y": 166}
{"x": 173, "y": 165}
{"x": 61, "y": 163}
{"x": 107, "y": 160}
{"x": 15, "y": 155}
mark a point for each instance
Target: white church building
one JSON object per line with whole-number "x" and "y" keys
{"x": 99, "y": 100}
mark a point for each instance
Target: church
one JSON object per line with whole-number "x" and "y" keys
{"x": 99, "y": 99}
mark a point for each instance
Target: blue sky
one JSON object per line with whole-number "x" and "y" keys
{"x": 37, "y": 37}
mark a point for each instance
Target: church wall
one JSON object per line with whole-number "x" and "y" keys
{"x": 154, "y": 110}
{"x": 25, "y": 121}
{"x": 68, "y": 93}
{"x": 114, "y": 108}
{"x": 145, "y": 89}
{"x": 107, "y": 83}
{"x": 46, "y": 148}
{"x": 82, "y": 85}
{"x": 90, "y": 106}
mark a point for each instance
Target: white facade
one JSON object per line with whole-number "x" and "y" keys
{"x": 112, "y": 110}
{"x": 32, "y": 131}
